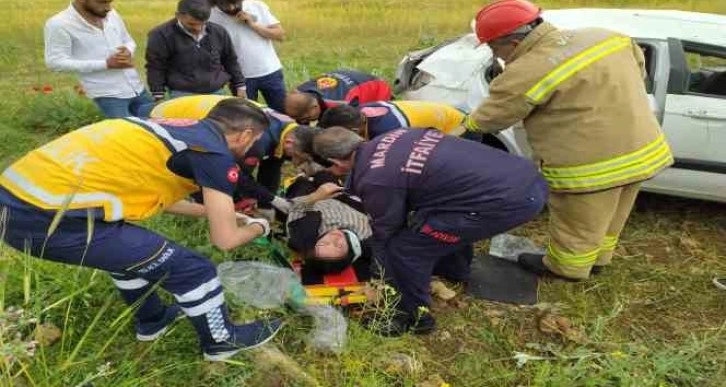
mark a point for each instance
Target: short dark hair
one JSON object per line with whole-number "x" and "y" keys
{"x": 224, "y": 2}
{"x": 198, "y": 9}
{"x": 235, "y": 114}
{"x": 342, "y": 115}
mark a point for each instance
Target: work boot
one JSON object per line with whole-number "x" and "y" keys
{"x": 400, "y": 324}
{"x": 597, "y": 270}
{"x": 152, "y": 330}
{"x": 534, "y": 263}
{"x": 221, "y": 339}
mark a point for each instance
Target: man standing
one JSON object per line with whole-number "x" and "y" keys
{"x": 124, "y": 170}
{"x": 187, "y": 55}
{"x": 582, "y": 98}
{"x": 428, "y": 205}
{"x": 310, "y": 99}
{"x": 253, "y": 28}
{"x": 90, "y": 38}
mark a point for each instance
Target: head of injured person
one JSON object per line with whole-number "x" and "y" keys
{"x": 334, "y": 251}
{"x": 337, "y": 145}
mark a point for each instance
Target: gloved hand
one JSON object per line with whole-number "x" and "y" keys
{"x": 282, "y": 204}
{"x": 262, "y": 222}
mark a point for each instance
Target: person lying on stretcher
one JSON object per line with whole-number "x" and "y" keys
{"x": 326, "y": 229}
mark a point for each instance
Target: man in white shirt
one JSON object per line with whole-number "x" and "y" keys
{"x": 253, "y": 28}
{"x": 90, "y": 38}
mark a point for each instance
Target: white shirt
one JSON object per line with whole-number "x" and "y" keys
{"x": 73, "y": 44}
{"x": 256, "y": 54}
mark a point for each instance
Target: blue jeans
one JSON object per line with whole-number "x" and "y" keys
{"x": 125, "y": 107}
{"x": 272, "y": 87}
{"x": 179, "y": 93}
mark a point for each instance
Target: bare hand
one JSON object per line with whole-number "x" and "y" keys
{"x": 245, "y": 17}
{"x": 121, "y": 59}
{"x": 242, "y": 92}
{"x": 114, "y": 62}
{"x": 328, "y": 191}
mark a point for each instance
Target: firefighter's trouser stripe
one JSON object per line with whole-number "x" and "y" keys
{"x": 640, "y": 163}
{"x": 573, "y": 65}
{"x": 568, "y": 259}
{"x": 609, "y": 243}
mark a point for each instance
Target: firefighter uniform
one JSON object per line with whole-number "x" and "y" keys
{"x": 428, "y": 205}
{"x": 382, "y": 117}
{"x": 346, "y": 86}
{"x": 585, "y": 110}
{"x": 267, "y": 153}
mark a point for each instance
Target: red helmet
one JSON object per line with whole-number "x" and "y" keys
{"x": 503, "y": 17}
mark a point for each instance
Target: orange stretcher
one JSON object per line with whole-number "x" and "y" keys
{"x": 343, "y": 289}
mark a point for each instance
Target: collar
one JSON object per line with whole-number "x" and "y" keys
{"x": 191, "y": 35}
{"x": 532, "y": 39}
{"x": 82, "y": 19}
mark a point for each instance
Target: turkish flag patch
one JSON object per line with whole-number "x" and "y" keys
{"x": 233, "y": 174}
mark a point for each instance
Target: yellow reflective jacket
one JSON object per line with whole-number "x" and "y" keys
{"x": 582, "y": 99}
{"x": 117, "y": 165}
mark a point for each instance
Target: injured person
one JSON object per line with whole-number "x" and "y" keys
{"x": 328, "y": 230}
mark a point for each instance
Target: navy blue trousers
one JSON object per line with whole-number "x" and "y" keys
{"x": 441, "y": 243}
{"x": 136, "y": 258}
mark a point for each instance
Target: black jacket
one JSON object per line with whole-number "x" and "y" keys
{"x": 175, "y": 61}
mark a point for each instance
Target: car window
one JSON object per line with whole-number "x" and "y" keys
{"x": 648, "y": 53}
{"x": 707, "y": 72}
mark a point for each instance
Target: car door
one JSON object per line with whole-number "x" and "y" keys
{"x": 695, "y": 108}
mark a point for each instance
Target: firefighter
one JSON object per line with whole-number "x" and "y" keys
{"x": 582, "y": 98}
{"x": 428, "y": 205}
{"x": 309, "y": 100}
{"x": 268, "y": 153}
{"x": 372, "y": 119}
{"x": 122, "y": 170}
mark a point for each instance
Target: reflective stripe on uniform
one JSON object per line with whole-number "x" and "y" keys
{"x": 161, "y": 132}
{"x": 402, "y": 119}
{"x": 132, "y": 284}
{"x": 568, "y": 259}
{"x": 609, "y": 243}
{"x": 573, "y": 65}
{"x": 72, "y": 200}
{"x": 470, "y": 123}
{"x": 641, "y": 163}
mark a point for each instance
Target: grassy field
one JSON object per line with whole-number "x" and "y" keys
{"x": 654, "y": 319}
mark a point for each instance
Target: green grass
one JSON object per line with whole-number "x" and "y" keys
{"x": 652, "y": 320}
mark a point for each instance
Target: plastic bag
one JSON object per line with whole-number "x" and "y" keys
{"x": 261, "y": 285}
{"x": 266, "y": 286}
{"x": 330, "y": 327}
{"x": 509, "y": 246}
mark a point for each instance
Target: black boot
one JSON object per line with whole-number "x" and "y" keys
{"x": 534, "y": 263}
{"x": 401, "y": 323}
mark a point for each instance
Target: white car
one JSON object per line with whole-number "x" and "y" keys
{"x": 686, "y": 62}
